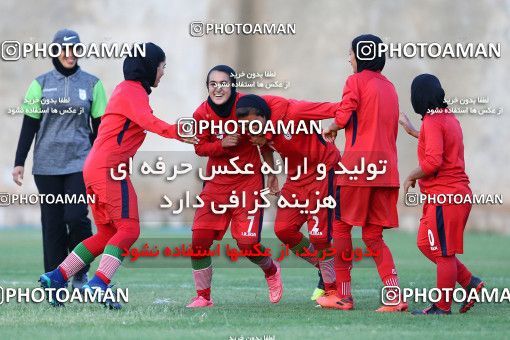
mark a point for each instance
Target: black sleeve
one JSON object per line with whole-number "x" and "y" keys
{"x": 28, "y": 130}
{"x": 95, "y": 127}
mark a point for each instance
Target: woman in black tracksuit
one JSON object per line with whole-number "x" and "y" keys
{"x": 62, "y": 110}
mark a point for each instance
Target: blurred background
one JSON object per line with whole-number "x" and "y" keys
{"x": 313, "y": 61}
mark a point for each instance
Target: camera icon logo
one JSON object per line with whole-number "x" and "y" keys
{"x": 390, "y": 295}
{"x": 366, "y": 50}
{"x": 5, "y": 199}
{"x": 196, "y": 29}
{"x": 186, "y": 127}
{"x": 11, "y": 50}
{"x": 411, "y": 199}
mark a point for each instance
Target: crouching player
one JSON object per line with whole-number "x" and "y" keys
{"x": 295, "y": 148}
{"x": 208, "y": 225}
{"x": 122, "y": 131}
{"x": 369, "y": 114}
{"x": 441, "y": 170}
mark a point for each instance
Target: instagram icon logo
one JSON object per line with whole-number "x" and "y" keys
{"x": 366, "y": 50}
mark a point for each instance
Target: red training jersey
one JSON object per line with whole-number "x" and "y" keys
{"x": 218, "y": 156}
{"x": 369, "y": 113}
{"x": 441, "y": 155}
{"x": 298, "y": 146}
{"x": 122, "y": 131}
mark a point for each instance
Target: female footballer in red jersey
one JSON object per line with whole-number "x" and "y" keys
{"x": 369, "y": 114}
{"x": 441, "y": 171}
{"x": 207, "y": 224}
{"x": 295, "y": 148}
{"x": 122, "y": 131}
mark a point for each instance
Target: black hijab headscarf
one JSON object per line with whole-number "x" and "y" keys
{"x": 427, "y": 94}
{"x": 144, "y": 69}
{"x": 364, "y": 45}
{"x": 255, "y": 102}
{"x": 66, "y": 72}
{"x": 66, "y": 38}
{"x": 224, "y": 109}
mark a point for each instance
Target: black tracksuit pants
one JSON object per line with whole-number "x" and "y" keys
{"x": 64, "y": 226}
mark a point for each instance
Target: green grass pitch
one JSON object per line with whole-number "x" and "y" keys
{"x": 157, "y": 298}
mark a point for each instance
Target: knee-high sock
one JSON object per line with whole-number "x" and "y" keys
{"x": 266, "y": 263}
{"x": 86, "y": 251}
{"x": 342, "y": 242}
{"x": 202, "y": 269}
{"x": 127, "y": 233}
{"x": 446, "y": 278}
{"x": 373, "y": 239}
{"x": 301, "y": 247}
{"x": 326, "y": 265}
{"x": 203, "y": 277}
{"x": 463, "y": 274}
{"x": 296, "y": 241}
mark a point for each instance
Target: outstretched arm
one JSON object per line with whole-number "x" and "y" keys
{"x": 303, "y": 110}
{"x": 407, "y": 125}
{"x": 139, "y": 111}
{"x": 349, "y": 103}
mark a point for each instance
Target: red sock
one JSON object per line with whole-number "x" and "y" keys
{"x": 446, "y": 278}
{"x": 103, "y": 277}
{"x": 270, "y": 271}
{"x": 206, "y": 293}
{"x": 63, "y": 272}
{"x": 265, "y": 263}
{"x": 463, "y": 274}
{"x": 373, "y": 239}
{"x": 391, "y": 280}
{"x": 342, "y": 241}
{"x": 344, "y": 289}
{"x": 328, "y": 286}
{"x": 327, "y": 268}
